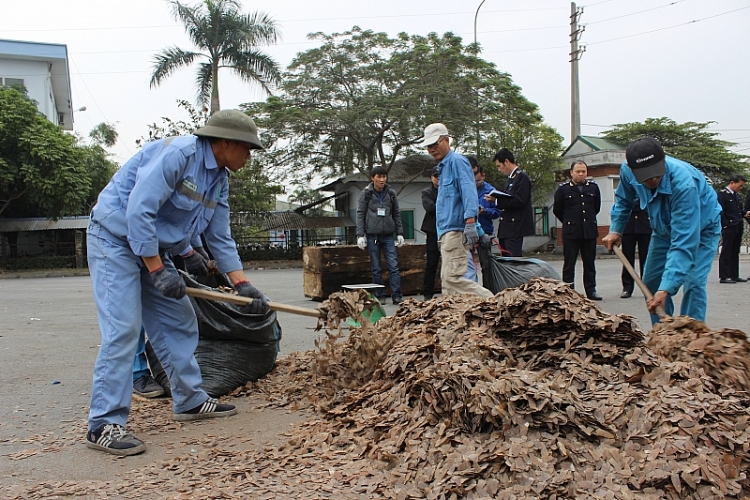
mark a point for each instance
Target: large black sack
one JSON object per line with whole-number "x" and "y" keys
{"x": 233, "y": 347}
{"x": 499, "y": 273}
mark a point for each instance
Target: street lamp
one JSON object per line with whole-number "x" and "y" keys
{"x": 475, "y": 43}
{"x": 82, "y": 108}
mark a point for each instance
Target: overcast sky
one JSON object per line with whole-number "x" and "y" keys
{"x": 688, "y": 60}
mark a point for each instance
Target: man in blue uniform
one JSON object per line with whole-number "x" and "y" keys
{"x": 732, "y": 217}
{"x": 157, "y": 204}
{"x": 685, "y": 220}
{"x": 576, "y": 204}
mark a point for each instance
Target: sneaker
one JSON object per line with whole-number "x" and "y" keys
{"x": 211, "y": 408}
{"x": 114, "y": 439}
{"x": 147, "y": 387}
{"x": 397, "y": 300}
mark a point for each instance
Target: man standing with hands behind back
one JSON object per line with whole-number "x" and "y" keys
{"x": 576, "y": 204}
{"x": 731, "y": 230}
{"x": 456, "y": 212}
{"x": 517, "y": 217}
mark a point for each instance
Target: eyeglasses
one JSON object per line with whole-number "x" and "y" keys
{"x": 434, "y": 144}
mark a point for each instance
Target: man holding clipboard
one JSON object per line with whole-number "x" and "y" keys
{"x": 517, "y": 218}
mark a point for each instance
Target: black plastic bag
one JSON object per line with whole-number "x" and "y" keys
{"x": 499, "y": 273}
{"x": 233, "y": 347}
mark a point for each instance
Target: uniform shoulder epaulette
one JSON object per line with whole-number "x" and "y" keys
{"x": 563, "y": 183}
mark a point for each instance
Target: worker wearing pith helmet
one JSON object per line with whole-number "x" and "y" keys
{"x": 159, "y": 204}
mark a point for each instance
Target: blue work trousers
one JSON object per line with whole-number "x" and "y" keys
{"x": 376, "y": 244}
{"x": 126, "y": 300}
{"x": 694, "y": 296}
{"x": 140, "y": 363}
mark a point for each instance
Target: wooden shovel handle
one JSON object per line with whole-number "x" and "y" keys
{"x": 646, "y": 292}
{"x": 241, "y": 301}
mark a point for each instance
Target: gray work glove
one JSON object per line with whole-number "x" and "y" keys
{"x": 485, "y": 241}
{"x": 470, "y": 235}
{"x": 259, "y": 305}
{"x": 196, "y": 262}
{"x": 169, "y": 284}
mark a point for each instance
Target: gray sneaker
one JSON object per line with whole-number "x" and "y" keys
{"x": 211, "y": 408}
{"x": 114, "y": 439}
{"x": 147, "y": 387}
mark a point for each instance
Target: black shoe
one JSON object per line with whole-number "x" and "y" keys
{"x": 625, "y": 295}
{"x": 740, "y": 280}
{"x": 397, "y": 300}
{"x": 594, "y": 296}
{"x": 211, "y": 408}
{"x": 114, "y": 439}
{"x": 428, "y": 297}
{"x": 147, "y": 387}
{"x": 727, "y": 280}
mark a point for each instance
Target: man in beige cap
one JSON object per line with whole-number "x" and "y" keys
{"x": 159, "y": 204}
{"x": 456, "y": 212}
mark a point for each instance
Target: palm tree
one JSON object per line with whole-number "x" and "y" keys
{"x": 227, "y": 38}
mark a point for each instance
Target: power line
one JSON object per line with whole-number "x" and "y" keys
{"x": 669, "y": 27}
{"x": 635, "y": 13}
{"x": 294, "y": 20}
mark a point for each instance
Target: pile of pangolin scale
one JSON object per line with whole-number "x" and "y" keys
{"x": 533, "y": 393}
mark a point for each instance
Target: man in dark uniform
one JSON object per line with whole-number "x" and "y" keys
{"x": 731, "y": 230}
{"x": 517, "y": 217}
{"x": 429, "y": 227}
{"x": 576, "y": 204}
{"x": 637, "y": 232}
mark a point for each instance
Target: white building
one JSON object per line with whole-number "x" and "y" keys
{"x": 43, "y": 69}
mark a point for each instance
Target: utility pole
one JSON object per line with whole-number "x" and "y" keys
{"x": 575, "y": 55}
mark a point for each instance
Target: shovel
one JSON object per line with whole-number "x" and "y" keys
{"x": 646, "y": 292}
{"x": 242, "y": 301}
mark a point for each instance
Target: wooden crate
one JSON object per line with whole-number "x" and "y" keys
{"x": 326, "y": 269}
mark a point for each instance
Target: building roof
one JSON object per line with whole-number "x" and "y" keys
{"x": 414, "y": 168}
{"x": 43, "y": 224}
{"x": 595, "y": 143}
{"x": 55, "y": 54}
{"x": 292, "y": 220}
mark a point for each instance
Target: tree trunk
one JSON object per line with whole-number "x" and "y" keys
{"x": 215, "y": 90}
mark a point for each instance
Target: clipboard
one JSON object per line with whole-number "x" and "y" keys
{"x": 498, "y": 194}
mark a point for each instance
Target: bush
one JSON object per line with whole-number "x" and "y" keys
{"x": 67, "y": 261}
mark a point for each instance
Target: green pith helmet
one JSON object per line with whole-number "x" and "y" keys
{"x": 231, "y": 124}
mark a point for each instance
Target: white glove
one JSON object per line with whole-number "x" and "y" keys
{"x": 362, "y": 242}
{"x": 399, "y": 240}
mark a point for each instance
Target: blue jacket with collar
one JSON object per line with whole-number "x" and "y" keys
{"x": 682, "y": 209}
{"x": 165, "y": 197}
{"x": 457, "y": 193}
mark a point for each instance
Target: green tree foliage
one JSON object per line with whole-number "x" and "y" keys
{"x": 226, "y": 38}
{"x": 42, "y": 171}
{"x": 250, "y": 189}
{"x": 363, "y": 99}
{"x": 690, "y": 142}
{"x": 104, "y": 135}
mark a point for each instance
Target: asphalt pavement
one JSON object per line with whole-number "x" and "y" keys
{"x": 49, "y": 338}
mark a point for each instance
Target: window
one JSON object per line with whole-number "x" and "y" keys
{"x": 9, "y": 82}
{"x": 407, "y": 220}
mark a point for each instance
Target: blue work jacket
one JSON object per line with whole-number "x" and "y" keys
{"x": 681, "y": 208}
{"x": 457, "y": 194}
{"x": 165, "y": 197}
